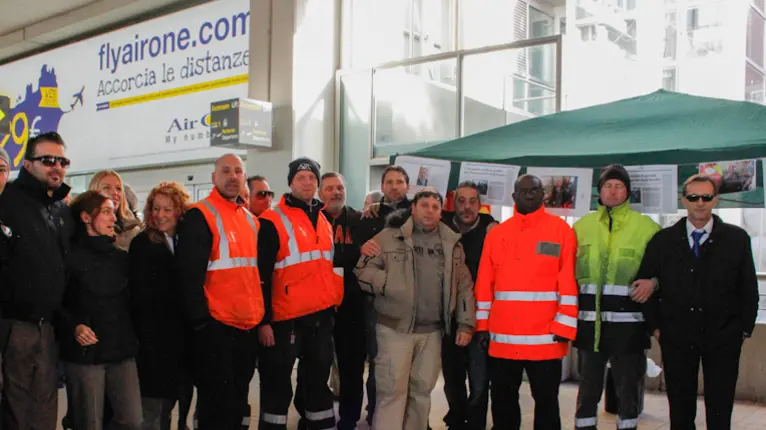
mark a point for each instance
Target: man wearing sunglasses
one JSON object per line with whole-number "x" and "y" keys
{"x": 261, "y": 195}
{"x": 35, "y": 228}
{"x": 705, "y": 306}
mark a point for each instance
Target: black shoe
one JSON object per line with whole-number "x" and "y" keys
{"x": 301, "y": 424}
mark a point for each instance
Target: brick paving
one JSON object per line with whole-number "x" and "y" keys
{"x": 747, "y": 416}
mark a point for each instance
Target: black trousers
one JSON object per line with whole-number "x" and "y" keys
{"x": 465, "y": 411}
{"x": 720, "y": 369}
{"x": 224, "y": 364}
{"x": 544, "y": 379}
{"x": 628, "y": 371}
{"x": 308, "y": 339}
{"x": 351, "y": 353}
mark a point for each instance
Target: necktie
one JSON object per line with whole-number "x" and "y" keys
{"x": 696, "y": 236}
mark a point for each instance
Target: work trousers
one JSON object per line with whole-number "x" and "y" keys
{"x": 466, "y": 411}
{"x": 89, "y": 384}
{"x": 308, "y": 339}
{"x": 371, "y": 343}
{"x": 350, "y": 353}
{"x": 157, "y": 413}
{"x": 407, "y": 367}
{"x": 30, "y": 395}
{"x": 224, "y": 363}
{"x": 544, "y": 379}
{"x": 720, "y": 369}
{"x": 628, "y": 371}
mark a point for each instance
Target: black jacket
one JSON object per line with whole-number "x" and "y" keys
{"x": 195, "y": 242}
{"x": 708, "y": 300}
{"x": 369, "y": 227}
{"x": 97, "y": 295}
{"x": 268, "y": 248}
{"x": 35, "y": 230}
{"x": 346, "y": 256}
{"x": 473, "y": 241}
{"x": 157, "y": 318}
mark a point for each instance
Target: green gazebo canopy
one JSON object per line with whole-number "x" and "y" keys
{"x": 659, "y": 128}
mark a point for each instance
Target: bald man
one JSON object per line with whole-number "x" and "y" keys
{"x": 217, "y": 255}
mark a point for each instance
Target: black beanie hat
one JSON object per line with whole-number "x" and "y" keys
{"x": 303, "y": 163}
{"x": 614, "y": 171}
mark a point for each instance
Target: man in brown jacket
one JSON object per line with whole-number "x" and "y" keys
{"x": 420, "y": 281}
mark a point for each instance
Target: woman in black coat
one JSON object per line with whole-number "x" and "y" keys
{"x": 156, "y": 309}
{"x": 98, "y": 344}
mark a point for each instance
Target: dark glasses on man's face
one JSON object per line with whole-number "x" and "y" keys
{"x": 51, "y": 160}
{"x": 264, "y": 194}
{"x": 707, "y": 198}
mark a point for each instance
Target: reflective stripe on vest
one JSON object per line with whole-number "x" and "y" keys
{"x": 615, "y": 317}
{"x": 273, "y": 418}
{"x": 543, "y": 339}
{"x": 533, "y": 296}
{"x": 321, "y": 415}
{"x": 295, "y": 256}
{"x": 566, "y": 320}
{"x": 225, "y": 261}
{"x": 609, "y": 290}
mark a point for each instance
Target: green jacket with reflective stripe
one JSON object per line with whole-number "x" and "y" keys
{"x": 610, "y": 246}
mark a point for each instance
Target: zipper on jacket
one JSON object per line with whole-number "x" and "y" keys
{"x": 599, "y": 292}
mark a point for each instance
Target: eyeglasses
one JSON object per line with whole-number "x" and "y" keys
{"x": 51, "y": 160}
{"x": 263, "y": 194}
{"x": 707, "y": 198}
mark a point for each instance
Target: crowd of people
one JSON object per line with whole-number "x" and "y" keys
{"x": 143, "y": 310}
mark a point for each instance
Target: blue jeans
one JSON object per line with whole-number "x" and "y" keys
{"x": 466, "y": 411}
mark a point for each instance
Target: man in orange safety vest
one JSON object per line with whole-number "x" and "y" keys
{"x": 526, "y": 306}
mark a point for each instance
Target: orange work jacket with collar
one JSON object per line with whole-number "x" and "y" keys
{"x": 526, "y": 290}
{"x": 232, "y": 283}
{"x": 304, "y": 280}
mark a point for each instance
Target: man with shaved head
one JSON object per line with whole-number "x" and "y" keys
{"x": 217, "y": 253}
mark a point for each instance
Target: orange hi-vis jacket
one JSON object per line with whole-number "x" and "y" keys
{"x": 304, "y": 279}
{"x": 232, "y": 283}
{"x": 525, "y": 289}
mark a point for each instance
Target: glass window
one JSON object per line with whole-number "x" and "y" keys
{"x": 671, "y": 35}
{"x": 497, "y": 92}
{"x": 755, "y": 34}
{"x": 414, "y": 110}
{"x": 669, "y": 79}
{"x": 754, "y": 80}
{"x": 759, "y": 4}
{"x": 703, "y": 29}
{"x": 355, "y": 107}
{"x": 375, "y": 27}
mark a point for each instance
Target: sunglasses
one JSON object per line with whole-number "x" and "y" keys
{"x": 707, "y": 198}
{"x": 51, "y": 160}
{"x": 263, "y": 194}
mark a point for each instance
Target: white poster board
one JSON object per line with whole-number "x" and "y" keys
{"x": 425, "y": 172}
{"x": 495, "y": 181}
{"x": 567, "y": 191}
{"x": 654, "y": 188}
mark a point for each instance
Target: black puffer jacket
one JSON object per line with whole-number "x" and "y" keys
{"x": 157, "y": 318}
{"x": 97, "y": 295}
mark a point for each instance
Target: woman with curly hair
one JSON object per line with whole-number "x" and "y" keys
{"x": 109, "y": 183}
{"x": 156, "y": 308}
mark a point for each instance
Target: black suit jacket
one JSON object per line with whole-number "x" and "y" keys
{"x": 708, "y": 300}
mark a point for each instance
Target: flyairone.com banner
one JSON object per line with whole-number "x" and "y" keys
{"x": 133, "y": 97}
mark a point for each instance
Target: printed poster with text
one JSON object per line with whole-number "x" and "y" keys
{"x": 494, "y": 181}
{"x": 567, "y": 191}
{"x": 654, "y": 189}
{"x": 425, "y": 172}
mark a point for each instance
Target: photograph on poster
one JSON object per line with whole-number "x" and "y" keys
{"x": 566, "y": 191}
{"x": 731, "y": 176}
{"x": 560, "y": 191}
{"x": 425, "y": 172}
